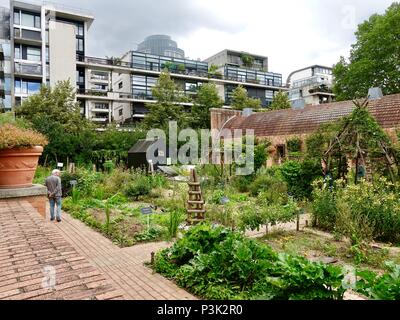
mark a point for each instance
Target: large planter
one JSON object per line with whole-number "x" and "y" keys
{"x": 18, "y": 167}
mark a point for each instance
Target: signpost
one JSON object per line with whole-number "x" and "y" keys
{"x": 60, "y": 165}
{"x": 73, "y": 183}
{"x": 147, "y": 212}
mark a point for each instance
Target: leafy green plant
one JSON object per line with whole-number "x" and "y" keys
{"x": 175, "y": 219}
{"x": 76, "y": 196}
{"x": 139, "y": 187}
{"x": 215, "y": 263}
{"x": 384, "y": 287}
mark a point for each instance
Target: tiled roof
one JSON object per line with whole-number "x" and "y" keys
{"x": 301, "y": 121}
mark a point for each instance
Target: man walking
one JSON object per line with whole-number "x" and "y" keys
{"x": 54, "y": 193}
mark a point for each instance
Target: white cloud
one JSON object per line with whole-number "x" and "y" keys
{"x": 292, "y": 33}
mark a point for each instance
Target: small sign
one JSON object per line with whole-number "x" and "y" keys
{"x": 146, "y": 211}
{"x": 60, "y": 165}
{"x": 225, "y": 200}
{"x": 73, "y": 183}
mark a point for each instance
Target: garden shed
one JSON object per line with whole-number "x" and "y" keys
{"x": 137, "y": 155}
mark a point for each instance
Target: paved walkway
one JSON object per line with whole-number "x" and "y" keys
{"x": 30, "y": 248}
{"x": 124, "y": 268}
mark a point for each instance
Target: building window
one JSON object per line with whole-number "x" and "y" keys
{"x": 17, "y": 52}
{"x": 80, "y": 30}
{"x": 120, "y": 85}
{"x": 17, "y": 18}
{"x": 120, "y": 112}
{"x": 79, "y": 45}
{"x": 30, "y": 20}
{"x": 27, "y": 86}
{"x": 33, "y": 54}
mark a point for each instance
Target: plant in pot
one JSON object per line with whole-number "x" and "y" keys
{"x": 20, "y": 150}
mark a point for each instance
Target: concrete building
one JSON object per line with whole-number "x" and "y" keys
{"x": 248, "y": 70}
{"x": 311, "y": 86}
{"x": 136, "y": 83}
{"x": 161, "y": 45}
{"x": 43, "y": 44}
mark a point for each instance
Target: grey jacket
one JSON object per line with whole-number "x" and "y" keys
{"x": 54, "y": 189}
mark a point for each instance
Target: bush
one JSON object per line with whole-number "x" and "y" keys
{"x": 217, "y": 264}
{"x": 137, "y": 188}
{"x": 361, "y": 211}
{"x": 324, "y": 208}
{"x": 273, "y": 185}
{"x": 262, "y": 213}
{"x": 299, "y": 176}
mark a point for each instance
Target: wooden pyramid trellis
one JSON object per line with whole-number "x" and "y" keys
{"x": 353, "y": 134}
{"x": 196, "y": 205}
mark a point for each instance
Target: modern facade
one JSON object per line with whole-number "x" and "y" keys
{"x": 189, "y": 75}
{"x": 161, "y": 45}
{"x": 311, "y": 86}
{"x": 243, "y": 67}
{"x": 43, "y": 44}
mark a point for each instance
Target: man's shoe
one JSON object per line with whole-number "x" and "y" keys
{"x": 58, "y": 220}
{"x": 52, "y": 219}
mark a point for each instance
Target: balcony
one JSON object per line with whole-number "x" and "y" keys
{"x": 90, "y": 92}
{"x": 27, "y": 35}
{"x": 30, "y": 69}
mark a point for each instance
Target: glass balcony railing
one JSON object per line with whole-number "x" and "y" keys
{"x": 28, "y": 68}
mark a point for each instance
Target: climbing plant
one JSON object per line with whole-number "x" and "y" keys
{"x": 361, "y": 139}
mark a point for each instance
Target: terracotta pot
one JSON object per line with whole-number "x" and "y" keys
{"x": 18, "y": 167}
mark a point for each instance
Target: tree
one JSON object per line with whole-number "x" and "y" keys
{"x": 241, "y": 100}
{"x": 281, "y": 101}
{"x": 374, "y": 58}
{"x": 207, "y": 98}
{"x": 247, "y": 60}
{"x": 167, "y": 107}
{"x": 55, "y": 113}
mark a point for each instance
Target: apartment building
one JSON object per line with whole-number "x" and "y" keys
{"x": 248, "y": 70}
{"x": 42, "y": 43}
{"x": 45, "y": 43}
{"x": 311, "y": 86}
{"x": 189, "y": 75}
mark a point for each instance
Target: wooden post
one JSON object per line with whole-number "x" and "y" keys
{"x": 152, "y": 258}
{"x": 298, "y": 221}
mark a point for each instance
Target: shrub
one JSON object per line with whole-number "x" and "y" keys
{"x": 13, "y": 137}
{"x": 362, "y": 211}
{"x": 300, "y": 175}
{"x": 137, "y": 188}
{"x": 273, "y": 185}
{"x": 255, "y": 216}
{"x": 324, "y": 208}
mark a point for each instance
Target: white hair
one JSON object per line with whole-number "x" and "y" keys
{"x": 55, "y": 172}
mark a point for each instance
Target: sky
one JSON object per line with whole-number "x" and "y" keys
{"x": 292, "y": 33}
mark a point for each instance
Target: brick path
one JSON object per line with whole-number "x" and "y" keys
{"x": 28, "y": 245}
{"x": 122, "y": 267}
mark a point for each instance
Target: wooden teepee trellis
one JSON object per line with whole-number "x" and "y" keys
{"x": 196, "y": 205}
{"x": 359, "y": 135}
